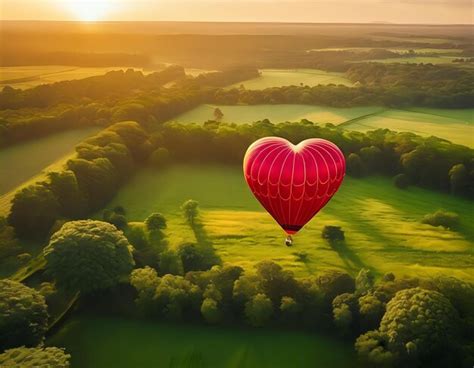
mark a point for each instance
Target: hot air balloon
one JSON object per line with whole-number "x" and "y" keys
{"x": 293, "y": 182}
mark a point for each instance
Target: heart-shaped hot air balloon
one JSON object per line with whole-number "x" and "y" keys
{"x": 293, "y": 182}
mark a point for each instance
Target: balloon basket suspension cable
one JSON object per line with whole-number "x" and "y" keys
{"x": 289, "y": 241}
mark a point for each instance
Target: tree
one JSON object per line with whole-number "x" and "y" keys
{"x": 210, "y": 311}
{"x": 88, "y": 255}
{"x": 333, "y": 234}
{"x": 34, "y": 211}
{"x": 191, "y": 257}
{"x": 449, "y": 220}
{"x": 218, "y": 114}
{"x": 417, "y": 324}
{"x": 170, "y": 263}
{"x": 190, "y": 210}
{"x": 258, "y": 310}
{"x": 176, "y": 297}
{"x": 50, "y": 357}
{"x": 364, "y": 281}
{"x": 289, "y": 309}
{"x": 355, "y": 166}
{"x": 333, "y": 283}
{"x": 24, "y": 315}
{"x": 459, "y": 179}
{"x": 275, "y": 282}
{"x": 156, "y": 221}
{"x": 401, "y": 181}
{"x": 65, "y": 188}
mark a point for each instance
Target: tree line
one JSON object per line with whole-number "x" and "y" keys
{"x": 428, "y": 162}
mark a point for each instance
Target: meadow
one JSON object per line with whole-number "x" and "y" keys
{"x": 113, "y": 342}
{"x": 454, "y": 125}
{"x": 293, "y": 77}
{"x": 381, "y": 222}
{"x": 241, "y": 114}
{"x": 26, "y": 160}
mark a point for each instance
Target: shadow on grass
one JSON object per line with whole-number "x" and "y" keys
{"x": 350, "y": 258}
{"x": 204, "y": 242}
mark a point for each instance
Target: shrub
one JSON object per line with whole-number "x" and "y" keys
{"x": 449, "y": 220}
{"x": 23, "y": 315}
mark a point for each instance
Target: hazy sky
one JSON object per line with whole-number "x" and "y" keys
{"x": 396, "y": 11}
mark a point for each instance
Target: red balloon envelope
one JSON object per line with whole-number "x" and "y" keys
{"x": 293, "y": 182}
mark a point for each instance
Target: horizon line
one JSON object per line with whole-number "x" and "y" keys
{"x": 374, "y": 23}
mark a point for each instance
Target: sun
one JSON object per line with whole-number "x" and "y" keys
{"x": 88, "y": 10}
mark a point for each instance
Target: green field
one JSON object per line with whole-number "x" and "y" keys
{"x": 293, "y": 77}
{"x": 454, "y": 125}
{"x": 382, "y": 225}
{"x": 23, "y": 161}
{"x": 241, "y": 114}
{"x": 96, "y": 342}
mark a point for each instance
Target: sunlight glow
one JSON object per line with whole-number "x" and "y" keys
{"x": 88, "y": 10}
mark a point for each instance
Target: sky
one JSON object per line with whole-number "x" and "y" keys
{"x": 312, "y": 11}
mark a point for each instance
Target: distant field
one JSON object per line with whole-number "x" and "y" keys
{"x": 396, "y": 49}
{"x": 288, "y": 77}
{"x": 441, "y": 59}
{"x": 96, "y": 342}
{"x": 275, "y": 113}
{"x": 454, "y": 125}
{"x": 381, "y": 222}
{"x": 400, "y": 38}
{"x": 23, "y": 77}
{"x": 25, "y": 160}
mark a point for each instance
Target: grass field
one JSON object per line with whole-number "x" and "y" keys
{"x": 286, "y": 77}
{"x": 382, "y": 225}
{"x": 275, "y": 113}
{"x": 23, "y": 161}
{"x": 454, "y": 125}
{"x": 97, "y": 342}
